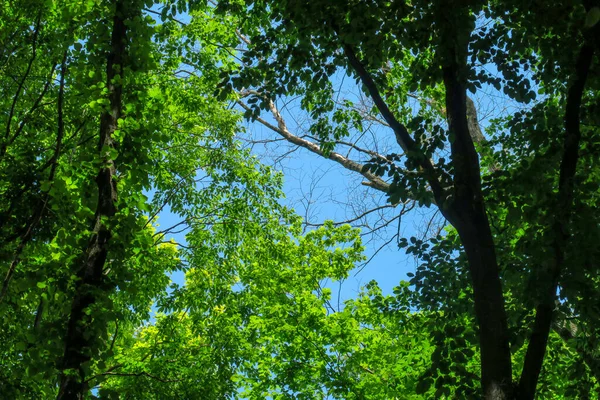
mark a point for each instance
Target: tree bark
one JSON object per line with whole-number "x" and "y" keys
{"x": 466, "y": 211}
{"x": 79, "y": 336}
{"x": 538, "y": 341}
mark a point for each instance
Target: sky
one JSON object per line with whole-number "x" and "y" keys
{"x": 319, "y": 189}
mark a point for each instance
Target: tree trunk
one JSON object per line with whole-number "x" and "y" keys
{"x": 466, "y": 211}
{"x": 496, "y": 369}
{"x": 79, "y": 339}
{"x": 536, "y": 350}
{"x": 464, "y": 208}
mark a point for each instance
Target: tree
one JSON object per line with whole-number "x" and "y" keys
{"x": 99, "y": 117}
{"x": 103, "y": 114}
{"x": 437, "y": 51}
{"x": 113, "y": 114}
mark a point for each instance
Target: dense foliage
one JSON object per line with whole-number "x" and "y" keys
{"x": 117, "y": 114}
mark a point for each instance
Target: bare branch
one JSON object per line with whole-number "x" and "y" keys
{"x": 361, "y": 216}
{"x": 373, "y": 180}
{"x": 403, "y": 138}
{"x": 139, "y": 374}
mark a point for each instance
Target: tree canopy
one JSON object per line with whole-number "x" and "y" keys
{"x": 121, "y": 115}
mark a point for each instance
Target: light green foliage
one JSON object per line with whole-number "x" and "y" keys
{"x": 256, "y": 317}
{"x": 172, "y": 133}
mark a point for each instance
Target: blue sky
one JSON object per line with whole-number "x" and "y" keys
{"x": 320, "y": 189}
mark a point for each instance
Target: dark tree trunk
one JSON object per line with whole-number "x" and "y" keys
{"x": 466, "y": 211}
{"x": 496, "y": 369}
{"x": 79, "y": 338}
{"x": 464, "y": 207}
{"x": 538, "y": 340}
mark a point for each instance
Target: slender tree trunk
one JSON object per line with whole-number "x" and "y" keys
{"x": 79, "y": 338}
{"x": 465, "y": 208}
{"x": 538, "y": 341}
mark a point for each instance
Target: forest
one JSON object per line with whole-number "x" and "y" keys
{"x": 289, "y": 199}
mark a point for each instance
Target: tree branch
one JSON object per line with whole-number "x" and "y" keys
{"x": 139, "y": 374}
{"x": 351, "y": 220}
{"x": 11, "y": 112}
{"x": 373, "y": 180}
{"x": 403, "y": 138}
{"x": 39, "y": 211}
